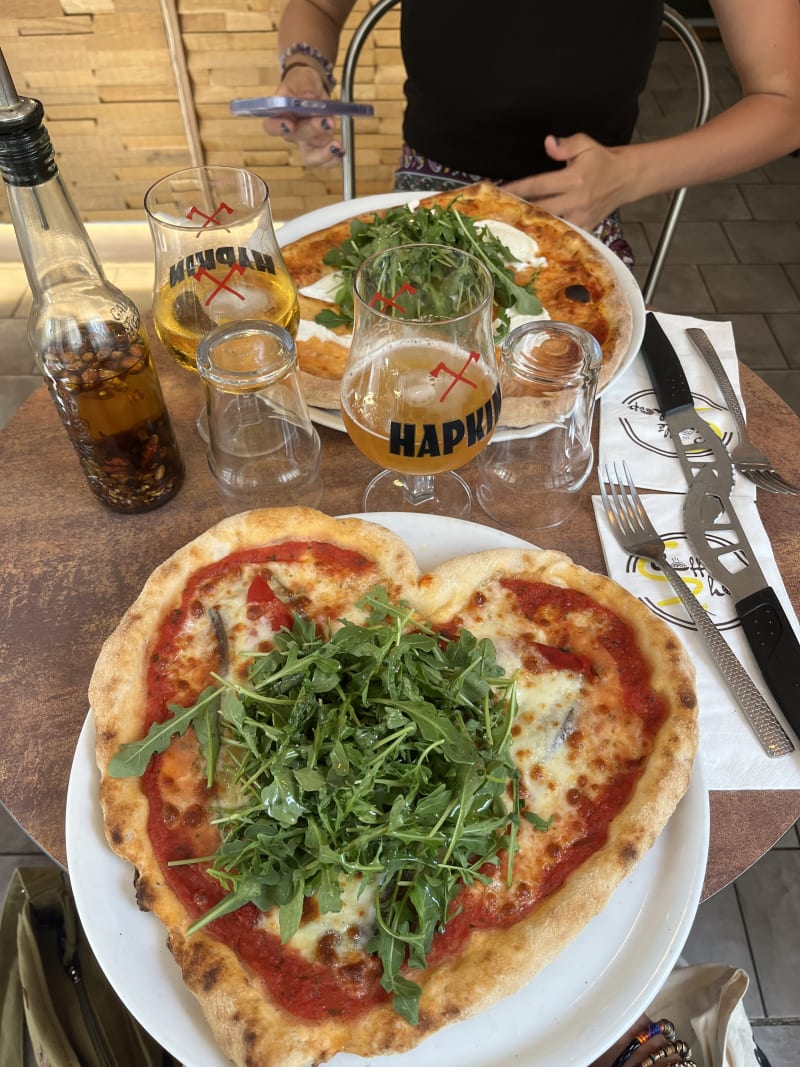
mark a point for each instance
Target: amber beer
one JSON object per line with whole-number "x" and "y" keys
{"x": 420, "y": 407}
{"x": 185, "y": 312}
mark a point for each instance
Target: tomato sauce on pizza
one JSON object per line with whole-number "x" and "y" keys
{"x": 572, "y": 277}
{"x": 601, "y": 740}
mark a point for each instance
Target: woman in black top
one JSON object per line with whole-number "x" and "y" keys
{"x": 543, "y": 96}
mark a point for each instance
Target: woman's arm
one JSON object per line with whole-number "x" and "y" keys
{"x": 763, "y": 42}
{"x": 315, "y": 25}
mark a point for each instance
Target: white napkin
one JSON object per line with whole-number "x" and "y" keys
{"x": 732, "y": 755}
{"x": 631, "y": 427}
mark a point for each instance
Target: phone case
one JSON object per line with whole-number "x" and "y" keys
{"x": 296, "y": 107}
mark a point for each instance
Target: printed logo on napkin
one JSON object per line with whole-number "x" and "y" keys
{"x": 644, "y": 578}
{"x": 732, "y": 757}
{"x": 631, "y": 423}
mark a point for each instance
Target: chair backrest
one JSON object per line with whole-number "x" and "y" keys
{"x": 691, "y": 42}
{"x": 362, "y": 31}
{"x": 674, "y": 21}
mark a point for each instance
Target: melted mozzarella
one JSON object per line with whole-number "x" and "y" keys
{"x": 523, "y": 248}
{"x": 324, "y": 288}
{"x": 352, "y": 927}
{"x": 515, "y": 318}
{"x": 308, "y": 330}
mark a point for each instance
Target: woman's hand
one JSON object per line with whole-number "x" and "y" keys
{"x": 315, "y": 138}
{"x": 587, "y": 188}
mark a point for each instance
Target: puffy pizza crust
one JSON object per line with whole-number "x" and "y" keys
{"x": 251, "y": 1030}
{"x": 572, "y": 260}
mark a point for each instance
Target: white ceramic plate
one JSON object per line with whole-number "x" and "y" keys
{"x": 333, "y": 213}
{"x": 569, "y": 1014}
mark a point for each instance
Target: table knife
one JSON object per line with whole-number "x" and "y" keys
{"x": 697, "y": 445}
{"x": 709, "y": 475}
{"x": 715, "y": 532}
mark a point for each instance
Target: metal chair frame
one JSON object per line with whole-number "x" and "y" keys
{"x": 674, "y": 21}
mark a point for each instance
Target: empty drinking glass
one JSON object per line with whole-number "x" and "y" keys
{"x": 263, "y": 449}
{"x": 533, "y": 475}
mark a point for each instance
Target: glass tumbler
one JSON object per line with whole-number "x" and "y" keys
{"x": 538, "y": 467}
{"x": 263, "y": 450}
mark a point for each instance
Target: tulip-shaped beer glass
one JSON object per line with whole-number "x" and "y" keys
{"x": 420, "y": 393}
{"x": 217, "y": 259}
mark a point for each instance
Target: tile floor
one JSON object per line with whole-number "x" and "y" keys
{"x": 736, "y": 256}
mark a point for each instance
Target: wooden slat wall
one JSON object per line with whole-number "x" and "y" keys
{"x": 102, "y": 70}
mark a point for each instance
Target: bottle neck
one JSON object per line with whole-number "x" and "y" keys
{"x": 55, "y": 247}
{"x": 52, "y": 239}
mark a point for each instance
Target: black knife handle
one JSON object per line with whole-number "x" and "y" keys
{"x": 664, "y": 367}
{"x": 776, "y": 649}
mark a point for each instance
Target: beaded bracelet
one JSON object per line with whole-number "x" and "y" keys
{"x": 663, "y": 1027}
{"x": 300, "y": 48}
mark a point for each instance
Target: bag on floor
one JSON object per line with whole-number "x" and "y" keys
{"x": 54, "y": 1000}
{"x": 706, "y": 1005}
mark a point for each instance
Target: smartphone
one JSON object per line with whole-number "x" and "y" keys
{"x": 297, "y": 107}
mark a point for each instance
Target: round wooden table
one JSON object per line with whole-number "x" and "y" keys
{"x": 71, "y": 568}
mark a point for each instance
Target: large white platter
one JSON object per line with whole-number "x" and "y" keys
{"x": 569, "y": 1014}
{"x": 346, "y": 209}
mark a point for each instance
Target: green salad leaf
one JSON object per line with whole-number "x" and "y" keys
{"x": 434, "y": 225}
{"x": 379, "y": 752}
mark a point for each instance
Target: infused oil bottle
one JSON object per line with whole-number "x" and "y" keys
{"x": 87, "y": 336}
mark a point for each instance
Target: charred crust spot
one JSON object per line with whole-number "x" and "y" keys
{"x": 686, "y": 698}
{"x": 145, "y": 897}
{"x": 424, "y": 1024}
{"x": 209, "y": 978}
{"x": 629, "y": 854}
{"x": 116, "y": 835}
{"x": 107, "y": 736}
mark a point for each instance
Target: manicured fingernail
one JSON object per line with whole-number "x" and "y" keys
{"x": 335, "y": 150}
{"x": 285, "y": 128}
{"x": 327, "y": 124}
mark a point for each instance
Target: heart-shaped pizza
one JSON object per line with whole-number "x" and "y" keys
{"x": 365, "y": 801}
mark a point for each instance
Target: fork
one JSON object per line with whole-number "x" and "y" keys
{"x": 636, "y": 534}
{"x": 748, "y": 459}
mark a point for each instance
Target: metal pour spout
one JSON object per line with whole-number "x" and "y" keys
{"x": 9, "y": 98}
{"x": 16, "y": 112}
